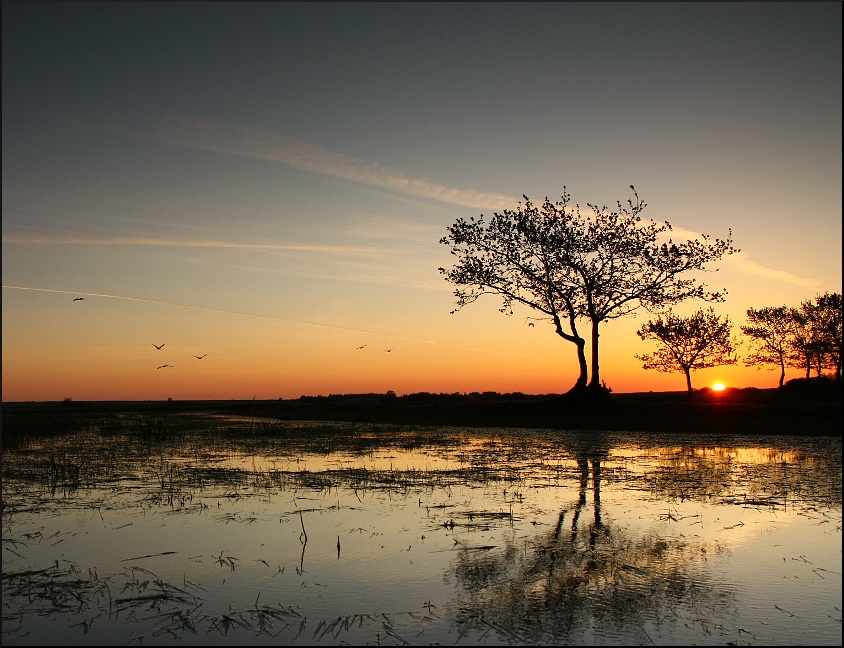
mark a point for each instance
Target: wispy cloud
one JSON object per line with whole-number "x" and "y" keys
{"x": 49, "y": 238}
{"x": 265, "y": 144}
{"x": 393, "y": 264}
{"x": 215, "y": 310}
{"x": 742, "y": 263}
{"x": 739, "y": 261}
{"x": 394, "y": 231}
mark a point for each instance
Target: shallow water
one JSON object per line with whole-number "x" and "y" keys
{"x": 325, "y": 534}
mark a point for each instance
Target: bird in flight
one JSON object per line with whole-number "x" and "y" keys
{"x": 79, "y": 299}
{"x": 156, "y": 346}
{"x": 162, "y": 366}
{"x": 361, "y": 346}
{"x": 387, "y": 350}
{"x": 200, "y": 357}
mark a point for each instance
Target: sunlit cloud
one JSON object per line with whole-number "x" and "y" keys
{"x": 265, "y": 144}
{"x": 741, "y": 262}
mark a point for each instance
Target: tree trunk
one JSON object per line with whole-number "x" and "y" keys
{"x": 688, "y": 372}
{"x": 595, "y": 382}
{"x": 579, "y": 342}
{"x": 581, "y": 360}
{"x": 782, "y": 373}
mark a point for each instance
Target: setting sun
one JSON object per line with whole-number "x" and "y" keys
{"x": 718, "y": 386}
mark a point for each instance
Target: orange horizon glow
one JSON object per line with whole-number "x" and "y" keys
{"x": 269, "y": 357}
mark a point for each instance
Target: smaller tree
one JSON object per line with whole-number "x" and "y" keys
{"x": 806, "y": 337}
{"x": 827, "y": 320}
{"x": 771, "y": 330}
{"x": 700, "y": 341}
{"x": 807, "y": 345}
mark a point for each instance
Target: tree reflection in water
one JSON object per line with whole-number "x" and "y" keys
{"x": 589, "y": 579}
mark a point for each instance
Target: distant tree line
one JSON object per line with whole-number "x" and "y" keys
{"x": 420, "y": 397}
{"x": 808, "y": 337}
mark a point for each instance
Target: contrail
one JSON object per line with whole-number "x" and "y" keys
{"x": 272, "y": 317}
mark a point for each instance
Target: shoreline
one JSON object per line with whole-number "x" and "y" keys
{"x": 802, "y": 412}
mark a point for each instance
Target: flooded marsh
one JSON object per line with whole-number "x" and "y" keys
{"x": 202, "y": 529}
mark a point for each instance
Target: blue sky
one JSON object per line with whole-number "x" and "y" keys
{"x": 300, "y": 162}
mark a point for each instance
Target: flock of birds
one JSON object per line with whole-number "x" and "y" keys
{"x": 157, "y": 346}
{"x": 164, "y": 366}
{"x": 161, "y": 346}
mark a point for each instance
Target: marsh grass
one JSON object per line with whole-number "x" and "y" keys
{"x": 180, "y": 462}
{"x": 20, "y": 428}
{"x": 138, "y": 594}
{"x": 88, "y": 452}
{"x": 56, "y": 588}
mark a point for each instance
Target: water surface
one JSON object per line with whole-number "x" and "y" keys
{"x": 224, "y": 531}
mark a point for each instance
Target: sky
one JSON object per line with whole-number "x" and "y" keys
{"x": 266, "y": 184}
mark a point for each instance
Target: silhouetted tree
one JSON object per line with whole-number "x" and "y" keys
{"x": 817, "y": 335}
{"x": 566, "y": 265}
{"x": 826, "y": 315}
{"x": 806, "y": 337}
{"x": 804, "y": 344}
{"x": 514, "y": 257}
{"x": 700, "y": 341}
{"x": 772, "y": 332}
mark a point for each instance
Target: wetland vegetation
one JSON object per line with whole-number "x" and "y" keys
{"x": 155, "y": 523}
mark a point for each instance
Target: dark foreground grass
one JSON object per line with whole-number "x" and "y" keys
{"x": 802, "y": 412}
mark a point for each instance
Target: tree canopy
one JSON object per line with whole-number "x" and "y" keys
{"x": 699, "y": 341}
{"x": 569, "y": 265}
{"x": 806, "y": 337}
{"x": 771, "y": 330}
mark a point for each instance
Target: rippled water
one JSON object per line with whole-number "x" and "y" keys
{"x": 326, "y": 534}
